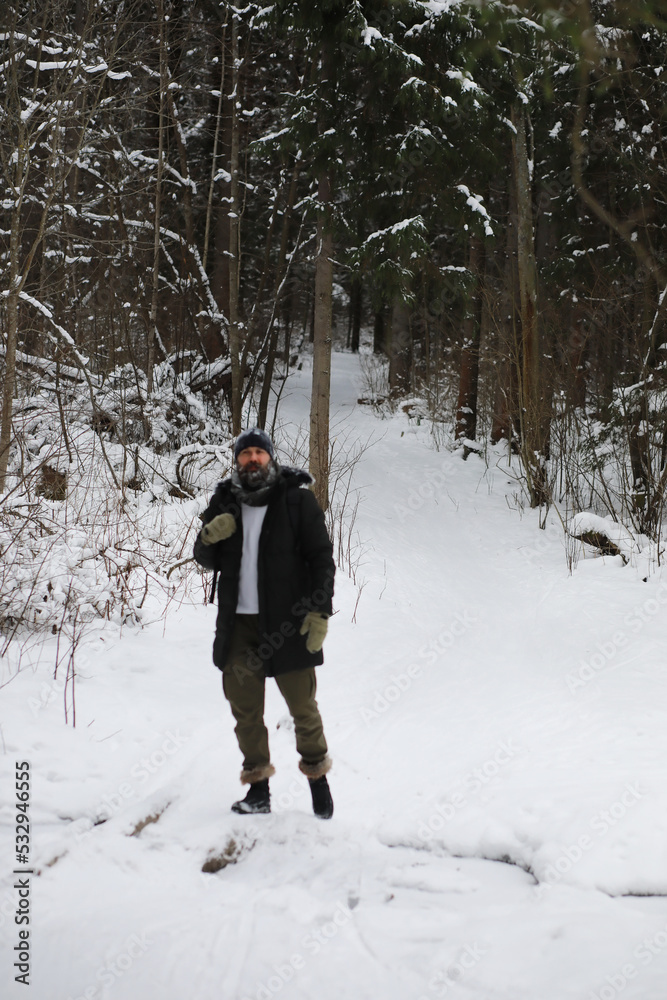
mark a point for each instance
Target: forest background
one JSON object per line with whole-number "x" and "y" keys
{"x": 195, "y": 193}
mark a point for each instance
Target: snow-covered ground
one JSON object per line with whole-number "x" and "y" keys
{"x": 499, "y": 731}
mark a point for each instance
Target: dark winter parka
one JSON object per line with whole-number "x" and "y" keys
{"x": 295, "y": 571}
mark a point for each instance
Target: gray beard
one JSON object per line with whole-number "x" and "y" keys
{"x": 253, "y": 486}
{"x": 254, "y": 477}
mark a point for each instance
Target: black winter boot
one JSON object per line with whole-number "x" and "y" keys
{"x": 322, "y": 801}
{"x": 258, "y": 799}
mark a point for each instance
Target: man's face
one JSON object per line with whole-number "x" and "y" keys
{"x": 253, "y": 458}
{"x": 253, "y": 465}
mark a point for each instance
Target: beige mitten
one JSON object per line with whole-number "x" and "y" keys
{"x": 218, "y": 529}
{"x": 315, "y": 629}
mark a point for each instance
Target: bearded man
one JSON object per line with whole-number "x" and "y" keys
{"x": 266, "y": 540}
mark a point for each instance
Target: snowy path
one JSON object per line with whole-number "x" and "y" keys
{"x": 485, "y": 707}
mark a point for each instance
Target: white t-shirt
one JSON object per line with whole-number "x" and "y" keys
{"x": 253, "y": 518}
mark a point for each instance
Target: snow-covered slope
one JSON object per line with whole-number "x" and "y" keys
{"x": 499, "y": 731}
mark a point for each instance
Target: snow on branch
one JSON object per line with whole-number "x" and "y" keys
{"x": 464, "y": 79}
{"x": 45, "y": 365}
{"x": 151, "y": 161}
{"x": 416, "y": 222}
{"x": 474, "y": 201}
{"x": 370, "y": 34}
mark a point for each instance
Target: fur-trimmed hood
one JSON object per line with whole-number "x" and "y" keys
{"x": 302, "y": 477}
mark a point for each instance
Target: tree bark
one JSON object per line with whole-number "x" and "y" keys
{"x": 466, "y": 407}
{"x": 216, "y": 140}
{"x": 234, "y": 239}
{"x": 356, "y": 302}
{"x": 400, "y": 348}
{"x": 379, "y": 333}
{"x": 281, "y": 271}
{"x": 220, "y": 271}
{"x": 21, "y": 168}
{"x": 531, "y": 408}
{"x": 319, "y": 404}
{"x": 505, "y": 407}
{"x": 9, "y": 387}
{"x": 153, "y": 330}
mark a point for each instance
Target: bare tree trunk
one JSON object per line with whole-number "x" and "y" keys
{"x": 319, "y": 403}
{"x": 222, "y": 241}
{"x": 153, "y": 330}
{"x": 185, "y": 171}
{"x": 531, "y": 408}
{"x": 234, "y": 240}
{"x": 379, "y": 334}
{"x": 281, "y": 270}
{"x": 504, "y": 409}
{"x": 16, "y": 280}
{"x": 575, "y": 361}
{"x": 400, "y": 348}
{"x": 263, "y": 407}
{"x": 216, "y": 140}
{"x": 356, "y": 304}
{"x": 9, "y": 386}
{"x": 466, "y": 407}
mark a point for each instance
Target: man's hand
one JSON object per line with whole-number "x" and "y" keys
{"x": 315, "y": 629}
{"x": 218, "y": 529}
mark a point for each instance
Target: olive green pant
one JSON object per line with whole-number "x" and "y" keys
{"x": 243, "y": 684}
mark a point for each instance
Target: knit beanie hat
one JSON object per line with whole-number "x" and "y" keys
{"x": 253, "y": 437}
